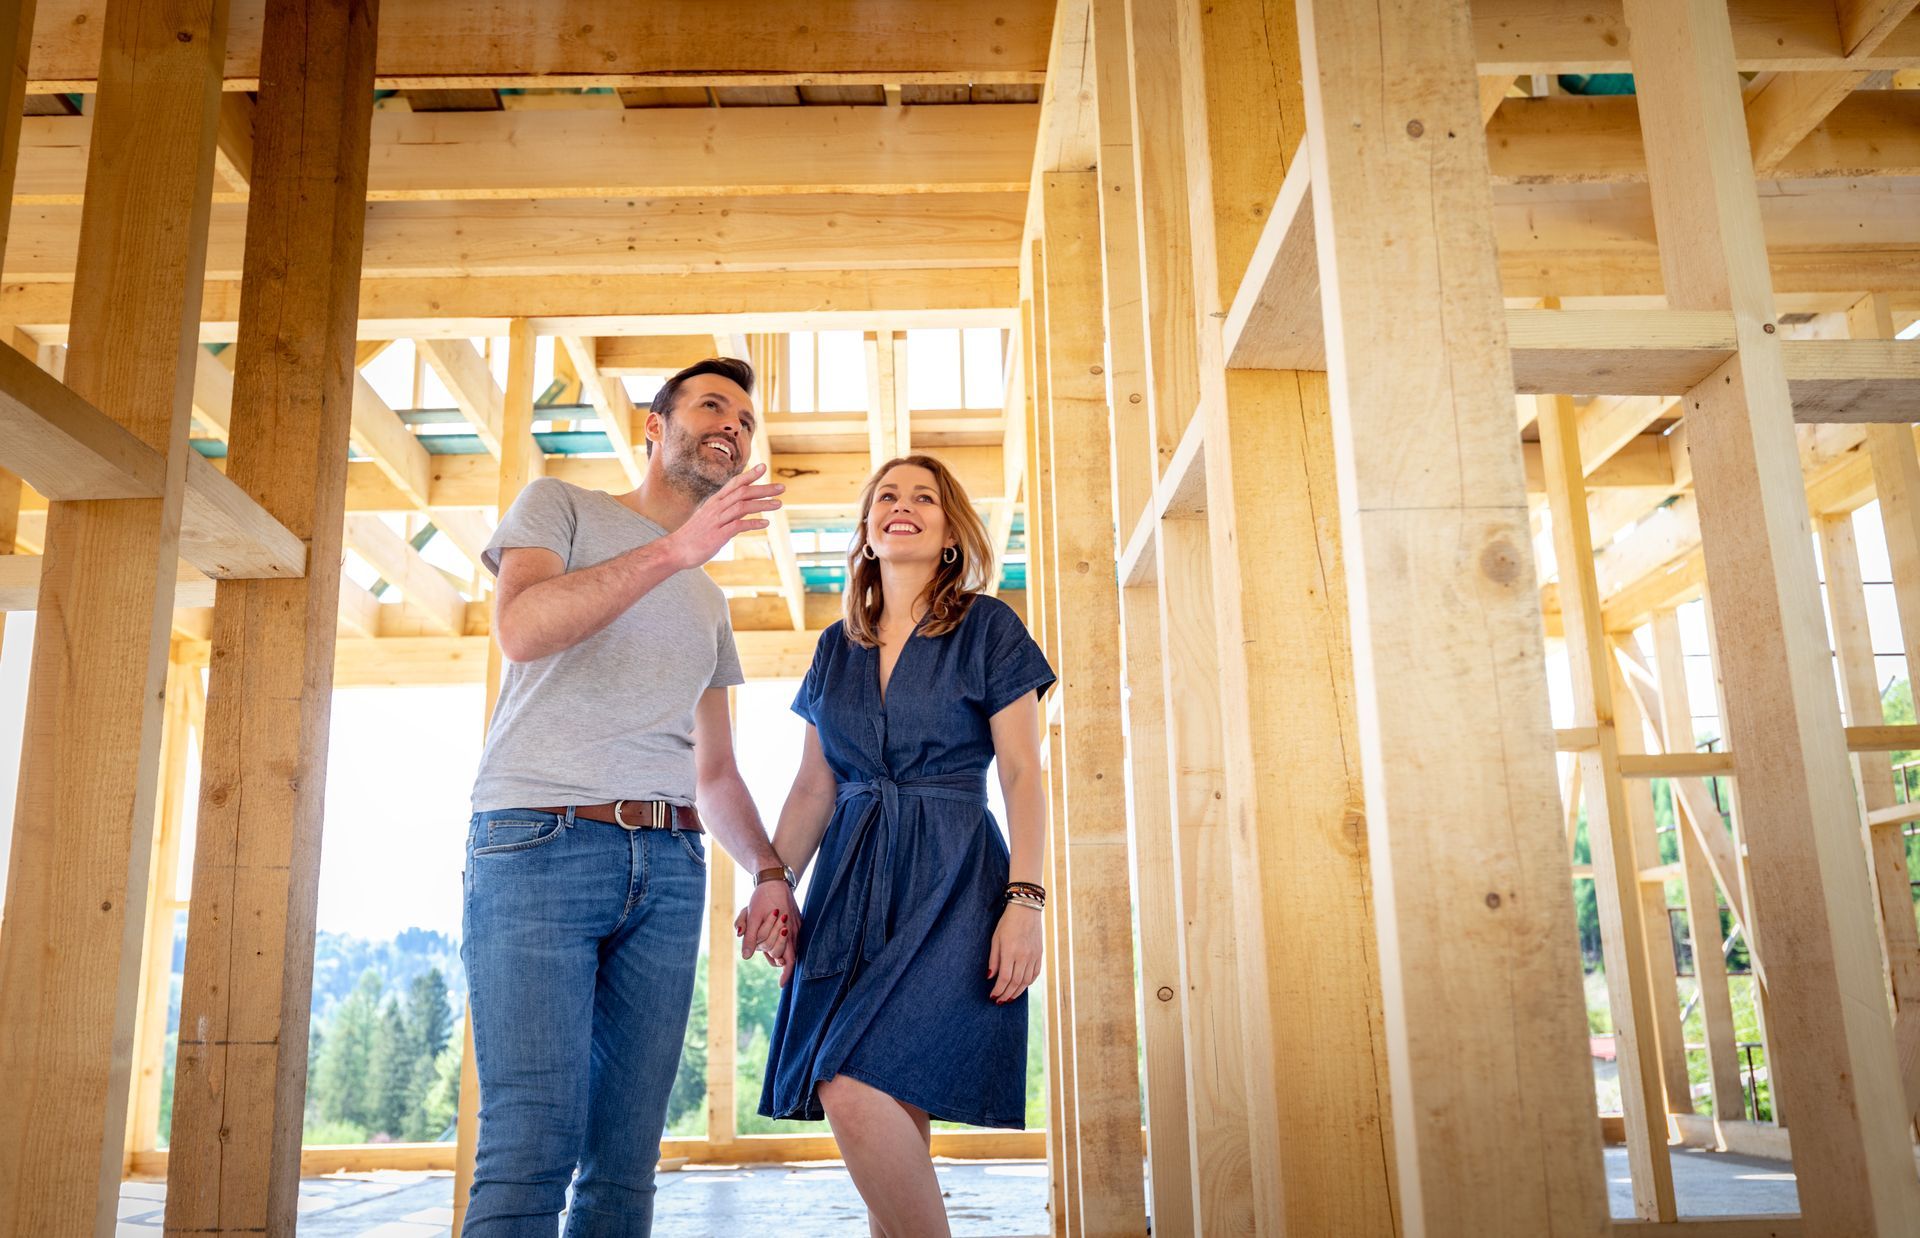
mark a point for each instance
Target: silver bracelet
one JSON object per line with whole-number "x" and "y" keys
{"x": 1027, "y": 900}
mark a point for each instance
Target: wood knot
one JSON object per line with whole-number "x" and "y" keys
{"x": 1499, "y": 563}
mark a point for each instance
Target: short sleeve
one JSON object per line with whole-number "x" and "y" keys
{"x": 1014, "y": 664}
{"x": 543, "y": 516}
{"x": 806, "y": 700}
{"x": 726, "y": 665}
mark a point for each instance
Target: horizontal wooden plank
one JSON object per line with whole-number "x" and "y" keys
{"x": 1675, "y": 764}
{"x": 1883, "y": 738}
{"x": 428, "y": 44}
{"x": 20, "y": 584}
{"x": 1572, "y": 139}
{"x": 587, "y": 152}
{"x": 601, "y": 305}
{"x": 1715, "y": 1227}
{"x": 63, "y": 446}
{"x": 1853, "y": 381}
{"x": 606, "y": 236}
{"x": 1522, "y": 36}
{"x": 1616, "y": 352}
{"x": 227, "y": 535}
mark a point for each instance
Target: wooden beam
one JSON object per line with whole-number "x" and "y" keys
{"x": 1632, "y": 995}
{"x": 612, "y": 304}
{"x": 419, "y": 582}
{"x": 1493, "y": 1101}
{"x": 1835, "y": 1070}
{"x": 609, "y": 236}
{"x": 82, "y": 838}
{"x": 883, "y": 428}
{"x": 16, "y": 45}
{"x": 472, "y": 385}
{"x": 240, "y": 1084}
{"x": 1316, "y": 1088}
{"x": 423, "y": 47}
{"x": 1106, "y": 1073}
{"x": 1697, "y": 870}
{"x": 233, "y": 141}
{"x": 656, "y": 356}
{"x": 624, "y": 427}
{"x": 63, "y": 446}
{"x": 638, "y": 152}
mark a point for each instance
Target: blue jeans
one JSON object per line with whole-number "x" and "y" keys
{"x": 580, "y": 939}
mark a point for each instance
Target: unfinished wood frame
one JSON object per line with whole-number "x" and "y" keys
{"x": 241, "y": 1074}
{"x": 77, "y": 885}
{"x": 1492, "y": 1101}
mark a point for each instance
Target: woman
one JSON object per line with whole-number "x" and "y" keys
{"x": 920, "y": 933}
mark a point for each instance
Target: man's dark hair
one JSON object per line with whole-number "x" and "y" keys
{"x": 664, "y": 400}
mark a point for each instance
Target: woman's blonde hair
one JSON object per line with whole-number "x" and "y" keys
{"x": 954, "y": 585}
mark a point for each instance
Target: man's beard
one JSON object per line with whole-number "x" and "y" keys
{"x": 689, "y": 469}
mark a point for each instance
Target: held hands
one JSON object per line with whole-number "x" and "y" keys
{"x": 1015, "y": 958}
{"x": 770, "y": 923}
{"x": 731, "y": 510}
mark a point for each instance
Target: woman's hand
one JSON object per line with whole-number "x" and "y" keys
{"x": 779, "y": 949}
{"x": 1018, "y": 943}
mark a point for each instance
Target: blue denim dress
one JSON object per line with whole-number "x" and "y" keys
{"x": 892, "y": 985}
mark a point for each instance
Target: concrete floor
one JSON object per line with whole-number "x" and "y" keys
{"x": 995, "y": 1199}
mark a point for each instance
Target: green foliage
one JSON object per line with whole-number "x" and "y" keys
{"x": 377, "y": 1060}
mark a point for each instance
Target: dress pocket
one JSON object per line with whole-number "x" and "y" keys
{"x": 509, "y": 835}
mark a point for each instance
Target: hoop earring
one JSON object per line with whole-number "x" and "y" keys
{"x": 950, "y": 555}
{"x": 867, "y": 551}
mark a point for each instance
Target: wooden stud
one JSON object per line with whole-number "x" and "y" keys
{"x": 1860, "y": 692}
{"x": 240, "y": 1088}
{"x": 1106, "y": 1074}
{"x": 1612, "y": 832}
{"x": 1703, "y": 907}
{"x": 1493, "y": 1099}
{"x": 1835, "y": 1060}
{"x": 75, "y": 911}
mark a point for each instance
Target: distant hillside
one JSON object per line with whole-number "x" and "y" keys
{"x": 339, "y": 960}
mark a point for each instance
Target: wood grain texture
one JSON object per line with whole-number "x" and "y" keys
{"x": 1493, "y": 1107}
{"x": 77, "y": 883}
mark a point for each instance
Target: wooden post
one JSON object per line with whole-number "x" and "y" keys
{"x": 1896, "y": 482}
{"x": 1304, "y": 956}
{"x": 240, "y": 1087}
{"x": 520, "y": 462}
{"x": 1153, "y": 849}
{"x": 1617, "y": 860}
{"x": 16, "y": 44}
{"x": 1106, "y": 1073}
{"x": 1836, "y": 1062}
{"x": 1703, "y": 907}
{"x": 722, "y": 997}
{"x": 82, "y": 843}
{"x": 1485, "y": 1026}
{"x": 156, "y": 975}
{"x": 1669, "y": 1048}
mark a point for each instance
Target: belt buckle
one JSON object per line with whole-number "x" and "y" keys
{"x": 654, "y": 808}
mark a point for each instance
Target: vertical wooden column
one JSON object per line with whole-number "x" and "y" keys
{"x": 1836, "y": 1062}
{"x": 1485, "y": 1026}
{"x": 1106, "y": 1073}
{"x": 1896, "y": 482}
{"x": 240, "y": 1085}
{"x": 1153, "y": 852}
{"x": 1669, "y": 1048}
{"x": 185, "y": 712}
{"x": 1703, "y": 907}
{"x": 722, "y": 962}
{"x": 16, "y": 43}
{"x": 1610, "y": 828}
{"x": 520, "y": 462}
{"x": 1880, "y": 812}
{"x": 70, "y": 947}
{"x": 1314, "y": 1060}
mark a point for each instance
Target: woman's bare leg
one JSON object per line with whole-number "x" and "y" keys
{"x": 886, "y": 1144}
{"x": 920, "y": 1120}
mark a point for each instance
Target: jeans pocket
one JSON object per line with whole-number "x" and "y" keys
{"x": 510, "y": 835}
{"x": 695, "y": 845}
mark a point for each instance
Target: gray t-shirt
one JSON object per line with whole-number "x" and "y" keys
{"x": 612, "y": 717}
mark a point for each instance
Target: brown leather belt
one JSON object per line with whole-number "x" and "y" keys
{"x": 637, "y": 815}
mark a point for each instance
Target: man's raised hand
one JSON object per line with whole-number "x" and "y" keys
{"x": 731, "y": 510}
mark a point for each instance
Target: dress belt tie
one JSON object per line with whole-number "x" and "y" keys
{"x": 852, "y": 923}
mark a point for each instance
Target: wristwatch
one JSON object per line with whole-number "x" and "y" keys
{"x": 782, "y": 873}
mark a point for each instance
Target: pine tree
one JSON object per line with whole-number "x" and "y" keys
{"x": 429, "y": 1027}
{"x": 442, "y": 1101}
{"x": 389, "y": 1072}
{"x": 341, "y": 1091}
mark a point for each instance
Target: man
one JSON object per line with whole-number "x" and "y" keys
{"x": 586, "y": 869}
